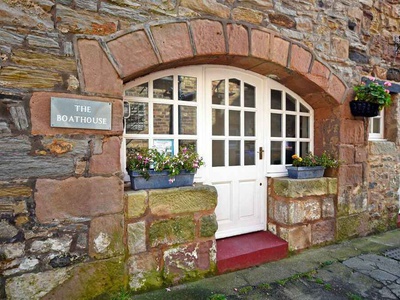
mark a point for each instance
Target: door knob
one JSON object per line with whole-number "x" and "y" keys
{"x": 260, "y": 152}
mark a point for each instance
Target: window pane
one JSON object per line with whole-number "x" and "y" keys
{"x": 218, "y": 153}
{"x": 249, "y": 123}
{"x": 138, "y": 91}
{"x": 304, "y": 127}
{"x": 138, "y": 120}
{"x": 276, "y": 153}
{"x": 163, "y": 88}
{"x": 187, "y": 143}
{"x": 290, "y": 151}
{"x": 303, "y": 108}
{"x": 234, "y": 92}
{"x": 276, "y": 99}
{"x": 290, "y": 103}
{"x": 163, "y": 119}
{"x": 187, "y": 88}
{"x": 376, "y": 125}
{"x": 187, "y": 119}
{"x": 218, "y": 92}
{"x": 249, "y": 153}
{"x": 218, "y": 122}
{"x": 276, "y": 125}
{"x": 290, "y": 126}
{"x": 249, "y": 95}
{"x": 234, "y": 123}
{"x": 304, "y": 148}
{"x": 234, "y": 153}
{"x": 132, "y": 144}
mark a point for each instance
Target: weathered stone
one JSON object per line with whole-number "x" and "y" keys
{"x": 182, "y": 200}
{"x": 15, "y": 191}
{"x": 19, "y": 117}
{"x": 62, "y": 244}
{"x": 25, "y": 264}
{"x": 300, "y": 59}
{"x": 298, "y": 237}
{"x": 260, "y": 44}
{"x": 304, "y": 24}
{"x": 382, "y": 148}
{"x": 322, "y": 232}
{"x": 351, "y": 226}
{"x": 7, "y": 231}
{"x": 247, "y": 15}
{"x": 211, "y": 7}
{"x": 105, "y": 236}
{"x": 302, "y": 187}
{"x": 82, "y": 241}
{"x": 61, "y": 261}
{"x": 144, "y": 271}
{"x": 24, "y": 78}
{"x": 358, "y": 57}
{"x": 328, "y": 208}
{"x": 280, "y": 51}
{"x": 43, "y": 42}
{"x": 281, "y": 20}
{"x": 208, "y": 225}
{"x": 44, "y": 61}
{"x": 108, "y": 162}
{"x": 71, "y": 198}
{"x": 12, "y": 251}
{"x": 172, "y": 231}
{"x": 136, "y": 237}
{"x": 393, "y": 74}
{"x": 130, "y": 13}
{"x": 208, "y": 37}
{"x": 238, "y": 40}
{"x": 86, "y": 5}
{"x": 136, "y": 203}
{"x": 187, "y": 262}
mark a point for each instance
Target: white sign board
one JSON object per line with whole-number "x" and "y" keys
{"x": 77, "y": 113}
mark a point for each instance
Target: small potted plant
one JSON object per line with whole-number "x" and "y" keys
{"x": 152, "y": 169}
{"x": 310, "y": 165}
{"x": 370, "y": 98}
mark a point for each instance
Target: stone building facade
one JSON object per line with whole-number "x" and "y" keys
{"x": 66, "y": 219}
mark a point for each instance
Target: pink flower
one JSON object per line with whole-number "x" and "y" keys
{"x": 184, "y": 150}
{"x": 140, "y": 157}
{"x": 387, "y": 91}
{"x": 171, "y": 180}
{"x": 387, "y": 83}
{"x": 371, "y": 78}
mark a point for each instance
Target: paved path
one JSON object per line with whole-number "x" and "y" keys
{"x": 363, "y": 268}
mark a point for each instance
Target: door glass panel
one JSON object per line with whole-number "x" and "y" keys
{"x": 290, "y": 126}
{"x": 163, "y": 88}
{"x": 138, "y": 120}
{"x": 234, "y": 92}
{"x": 163, "y": 119}
{"x": 249, "y": 95}
{"x": 290, "y": 151}
{"x": 304, "y": 127}
{"x": 304, "y": 109}
{"x": 276, "y": 99}
{"x": 249, "y": 153}
{"x": 218, "y": 122}
{"x": 187, "y": 119}
{"x": 138, "y": 91}
{"x": 218, "y": 153}
{"x": 187, "y": 88}
{"x": 276, "y": 125}
{"x": 234, "y": 153}
{"x": 276, "y": 153}
{"x": 290, "y": 103}
{"x": 304, "y": 148}
{"x": 249, "y": 123}
{"x": 234, "y": 123}
{"x": 218, "y": 92}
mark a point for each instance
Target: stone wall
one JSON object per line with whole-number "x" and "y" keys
{"x": 303, "y": 211}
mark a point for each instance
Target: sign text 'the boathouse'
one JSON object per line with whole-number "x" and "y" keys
{"x": 77, "y": 113}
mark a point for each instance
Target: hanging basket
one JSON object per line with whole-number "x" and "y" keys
{"x": 364, "y": 109}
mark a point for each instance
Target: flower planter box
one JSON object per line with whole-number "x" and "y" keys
{"x": 364, "y": 109}
{"x": 160, "y": 180}
{"x": 305, "y": 172}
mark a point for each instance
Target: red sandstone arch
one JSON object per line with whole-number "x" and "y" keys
{"x": 107, "y": 63}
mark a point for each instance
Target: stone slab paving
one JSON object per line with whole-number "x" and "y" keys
{"x": 363, "y": 268}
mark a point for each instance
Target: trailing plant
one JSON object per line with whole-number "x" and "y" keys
{"x": 373, "y": 92}
{"x": 326, "y": 160}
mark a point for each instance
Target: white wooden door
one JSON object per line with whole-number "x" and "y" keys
{"x": 235, "y": 124}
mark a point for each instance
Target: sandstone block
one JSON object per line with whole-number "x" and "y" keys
{"x": 28, "y": 78}
{"x": 136, "y": 203}
{"x": 323, "y": 232}
{"x": 12, "y": 251}
{"x": 58, "y": 200}
{"x": 212, "y": 7}
{"x": 247, "y": 15}
{"x": 351, "y": 226}
{"x": 319, "y": 74}
{"x": 172, "y": 231}
{"x": 238, "y": 40}
{"x": 108, "y": 162}
{"x": 280, "y": 51}
{"x": 298, "y": 237}
{"x": 144, "y": 271}
{"x": 173, "y": 41}
{"x": 137, "y": 237}
{"x": 44, "y": 61}
{"x": 260, "y": 44}
{"x": 208, "y": 225}
{"x": 301, "y": 187}
{"x": 208, "y": 37}
{"x": 328, "y": 208}
{"x": 337, "y": 88}
{"x": 182, "y": 200}
{"x": 105, "y": 236}
{"x": 300, "y": 59}
{"x": 354, "y": 133}
{"x": 351, "y": 175}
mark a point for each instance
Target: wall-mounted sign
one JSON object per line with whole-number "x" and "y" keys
{"x": 77, "y": 113}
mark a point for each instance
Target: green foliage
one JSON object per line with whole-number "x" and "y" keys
{"x": 310, "y": 160}
{"x": 217, "y": 297}
{"x": 373, "y": 92}
{"x": 352, "y": 296}
{"x": 245, "y": 290}
{"x": 144, "y": 159}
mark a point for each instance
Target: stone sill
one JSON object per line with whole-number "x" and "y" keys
{"x": 296, "y": 188}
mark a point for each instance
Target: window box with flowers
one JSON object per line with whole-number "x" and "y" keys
{"x": 311, "y": 166}
{"x": 151, "y": 169}
{"x": 370, "y": 98}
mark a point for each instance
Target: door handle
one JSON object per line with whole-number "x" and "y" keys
{"x": 260, "y": 152}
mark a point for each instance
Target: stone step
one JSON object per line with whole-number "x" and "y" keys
{"x": 248, "y": 250}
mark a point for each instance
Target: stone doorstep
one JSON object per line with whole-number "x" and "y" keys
{"x": 248, "y": 250}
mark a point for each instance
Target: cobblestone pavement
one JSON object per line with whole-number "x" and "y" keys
{"x": 363, "y": 268}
